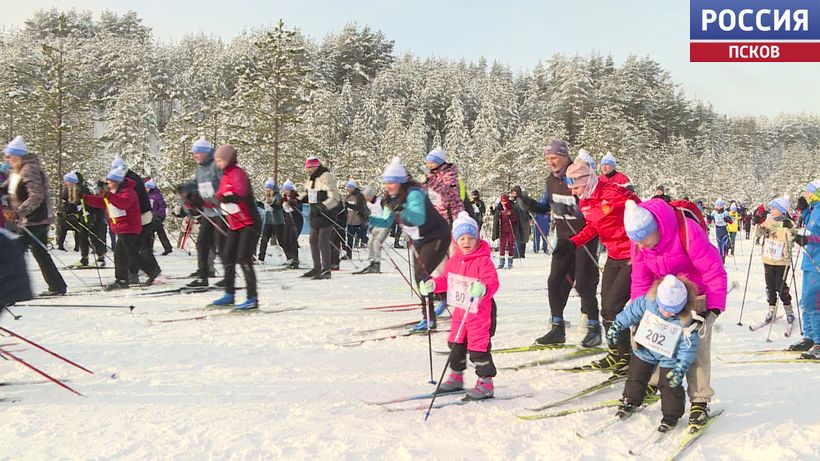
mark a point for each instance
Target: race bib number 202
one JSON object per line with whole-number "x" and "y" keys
{"x": 658, "y": 335}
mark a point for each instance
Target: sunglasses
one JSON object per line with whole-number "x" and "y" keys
{"x": 570, "y": 181}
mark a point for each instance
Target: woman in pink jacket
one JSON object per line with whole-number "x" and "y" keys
{"x": 665, "y": 242}
{"x": 470, "y": 281}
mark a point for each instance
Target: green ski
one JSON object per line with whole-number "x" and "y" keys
{"x": 609, "y": 382}
{"x": 689, "y": 438}
{"x": 572, "y": 355}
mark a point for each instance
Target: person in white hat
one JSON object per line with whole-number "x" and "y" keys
{"x": 610, "y": 173}
{"x": 427, "y": 230}
{"x": 777, "y": 229}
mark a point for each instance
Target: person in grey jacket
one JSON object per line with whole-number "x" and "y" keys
{"x": 273, "y": 228}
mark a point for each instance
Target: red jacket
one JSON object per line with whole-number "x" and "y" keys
{"x": 123, "y": 208}
{"x": 616, "y": 178}
{"x": 233, "y": 192}
{"x": 604, "y": 215}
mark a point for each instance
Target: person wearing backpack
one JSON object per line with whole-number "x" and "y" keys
{"x": 670, "y": 240}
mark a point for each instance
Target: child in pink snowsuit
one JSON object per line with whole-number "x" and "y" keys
{"x": 470, "y": 281}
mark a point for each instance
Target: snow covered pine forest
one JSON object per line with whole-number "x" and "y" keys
{"x": 302, "y": 384}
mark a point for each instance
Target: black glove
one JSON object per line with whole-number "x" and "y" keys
{"x": 800, "y": 239}
{"x": 232, "y": 199}
{"x": 788, "y": 224}
{"x": 563, "y": 247}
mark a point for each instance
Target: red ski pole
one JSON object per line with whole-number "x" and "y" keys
{"x": 39, "y": 372}
{"x": 47, "y": 351}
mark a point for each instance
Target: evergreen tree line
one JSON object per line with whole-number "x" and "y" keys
{"x": 82, "y": 88}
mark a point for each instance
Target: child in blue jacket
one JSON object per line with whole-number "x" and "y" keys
{"x": 667, "y": 337}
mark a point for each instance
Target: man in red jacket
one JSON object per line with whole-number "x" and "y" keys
{"x": 603, "y": 206}
{"x": 609, "y": 173}
{"x": 119, "y": 199}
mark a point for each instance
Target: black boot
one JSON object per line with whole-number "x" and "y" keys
{"x": 593, "y": 336}
{"x": 311, "y": 273}
{"x": 625, "y": 410}
{"x": 667, "y": 423}
{"x": 324, "y": 275}
{"x": 198, "y": 282}
{"x": 556, "y": 335}
{"x": 802, "y": 345}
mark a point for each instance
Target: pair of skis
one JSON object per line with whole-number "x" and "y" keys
{"x": 214, "y": 312}
{"x": 429, "y": 395}
{"x": 690, "y": 435}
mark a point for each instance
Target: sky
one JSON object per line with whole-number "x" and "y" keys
{"x": 518, "y": 33}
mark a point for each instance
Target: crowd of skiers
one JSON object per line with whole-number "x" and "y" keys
{"x": 662, "y": 274}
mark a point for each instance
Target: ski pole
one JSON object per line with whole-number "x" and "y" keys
{"x": 594, "y": 259}
{"x": 95, "y": 306}
{"x": 449, "y": 358}
{"x": 47, "y": 350}
{"x": 16, "y": 317}
{"x": 746, "y": 285}
{"x": 96, "y": 237}
{"x": 396, "y": 266}
{"x": 430, "y": 336}
{"x": 796, "y": 291}
{"x": 52, "y": 255}
{"x": 409, "y": 270}
{"x": 39, "y": 371}
{"x": 93, "y": 252}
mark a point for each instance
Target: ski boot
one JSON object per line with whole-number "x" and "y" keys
{"x": 133, "y": 279}
{"x": 373, "y": 268}
{"x": 101, "y": 261}
{"x": 608, "y": 362}
{"x": 294, "y": 264}
{"x": 625, "y": 410}
{"x": 698, "y": 415}
{"x": 454, "y": 382}
{"x": 226, "y": 300}
{"x": 509, "y": 262}
{"x": 117, "y": 285}
{"x": 152, "y": 277}
{"x": 556, "y": 335}
{"x": 249, "y": 304}
{"x": 311, "y": 273}
{"x": 50, "y": 293}
{"x": 483, "y": 389}
{"x": 770, "y": 314}
{"x": 500, "y": 263}
{"x": 801, "y": 346}
{"x": 199, "y": 282}
{"x": 324, "y": 275}
{"x": 79, "y": 264}
{"x": 421, "y": 327}
{"x": 811, "y": 354}
{"x": 442, "y": 306}
{"x": 220, "y": 284}
{"x": 667, "y": 423}
{"x": 593, "y": 336}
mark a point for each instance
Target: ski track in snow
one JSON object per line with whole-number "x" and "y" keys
{"x": 275, "y": 386}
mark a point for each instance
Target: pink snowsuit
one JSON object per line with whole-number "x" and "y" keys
{"x": 701, "y": 264}
{"x": 476, "y": 265}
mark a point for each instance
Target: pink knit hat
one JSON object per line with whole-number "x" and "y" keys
{"x": 312, "y": 162}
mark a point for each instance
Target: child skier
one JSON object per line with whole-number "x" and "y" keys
{"x": 505, "y": 228}
{"x": 667, "y": 337}
{"x": 734, "y": 226}
{"x": 777, "y": 232}
{"x": 470, "y": 281}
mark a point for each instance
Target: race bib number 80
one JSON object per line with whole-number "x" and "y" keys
{"x": 458, "y": 294}
{"x": 658, "y": 335}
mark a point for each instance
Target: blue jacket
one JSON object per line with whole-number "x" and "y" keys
{"x": 812, "y": 249}
{"x": 685, "y": 351}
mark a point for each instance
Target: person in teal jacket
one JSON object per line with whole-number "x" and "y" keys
{"x": 810, "y": 241}
{"x": 425, "y": 228}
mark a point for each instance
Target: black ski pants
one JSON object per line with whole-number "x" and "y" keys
{"x": 673, "y": 399}
{"x": 578, "y": 268}
{"x": 239, "y": 249}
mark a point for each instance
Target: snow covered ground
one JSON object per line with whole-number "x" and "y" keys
{"x": 277, "y": 387}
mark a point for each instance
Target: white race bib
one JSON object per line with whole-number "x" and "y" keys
{"x": 567, "y": 200}
{"x": 773, "y": 249}
{"x": 206, "y": 189}
{"x": 230, "y": 208}
{"x": 412, "y": 232}
{"x": 435, "y": 197}
{"x": 313, "y": 195}
{"x": 458, "y": 292}
{"x": 658, "y": 335}
{"x": 115, "y": 212}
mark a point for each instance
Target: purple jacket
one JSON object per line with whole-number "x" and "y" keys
{"x": 157, "y": 204}
{"x": 701, "y": 264}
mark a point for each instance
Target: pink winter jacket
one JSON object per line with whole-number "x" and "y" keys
{"x": 701, "y": 264}
{"x": 477, "y": 265}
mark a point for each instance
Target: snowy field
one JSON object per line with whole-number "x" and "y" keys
{"x": 255, "y": 386}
